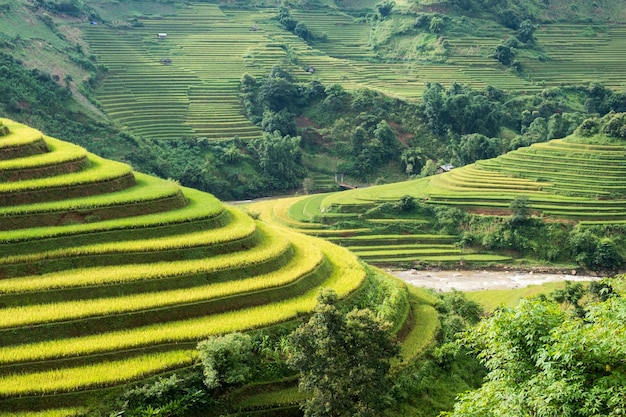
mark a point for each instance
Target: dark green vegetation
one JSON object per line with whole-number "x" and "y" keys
{"x": 544, "y": 359}
{"x": 343, "y": 360}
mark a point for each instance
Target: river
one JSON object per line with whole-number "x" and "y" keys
{"x": 482, "y": 280}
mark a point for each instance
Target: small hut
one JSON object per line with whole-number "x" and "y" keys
{"x": 161, "y": 36}
{"x": 444, "y": 168}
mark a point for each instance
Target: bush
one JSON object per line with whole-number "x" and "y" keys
{"x": 226, "y": 360}
{"x": 615, "y": 126}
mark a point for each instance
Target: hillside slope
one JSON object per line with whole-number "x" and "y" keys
{"x": 557, "y": 202}
{"x": 110, "y": 276}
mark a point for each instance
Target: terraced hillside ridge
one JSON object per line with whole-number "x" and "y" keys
{"x": 108, "y": 276}
{"x": 190, "y": 77}
{"x": 576, "y": 179}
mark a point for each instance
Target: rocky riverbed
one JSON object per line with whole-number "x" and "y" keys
{"x": 483, "y": 280}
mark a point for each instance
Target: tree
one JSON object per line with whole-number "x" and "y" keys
{"x": 384, "y": 9}
{"x": 520, "y": 208}
{"x": 475, "y": 147}
{"x": 526, "y": 31}
{"x": 343, "y": 360}
{"x": 546, "y": 361}
{"x": 433, "y": 103}
{"x": 226, "y": 359}
{"x": 436, "y": 24}
{"x": 413, "y": 160}
{"x": 280, "y": 159}
{"x": 504, "y": 54}
{"x": 278, "y": 93}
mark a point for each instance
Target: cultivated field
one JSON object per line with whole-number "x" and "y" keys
{"x": 109, "y": 277}
{"x": 186, "y": 83}
{"x": 573, "y": 179}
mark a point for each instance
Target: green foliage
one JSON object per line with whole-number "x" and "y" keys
{"x": 614, "y": 125}
{"x": 520, "y": 208}
{"x": 291, "y": 24}
{"x": 384, "y": 9}
{"x": 226, "y": 360}
{"x": 462, "y": 110}
{"x": 474, "y": 147}
{"x": 343, "y": 360}
{"x": 504, "y": 54}
{"x": 166, "y": 397}
{"x": 525, "y": 31}
{"x": 280, "y": 160}
{"x": 544, "y": 361}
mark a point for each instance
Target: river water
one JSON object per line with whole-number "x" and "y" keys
{"x": 482, "y": 280}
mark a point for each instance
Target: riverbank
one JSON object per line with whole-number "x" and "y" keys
{"x": 483, "y": 280}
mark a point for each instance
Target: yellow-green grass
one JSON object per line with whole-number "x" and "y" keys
{"x": 92, "y": 376}
{"x": 270, "y": 247}
{"x": 347, "y": 275}
{"x": 238, "y": 230}
{"x": 306, "y": 209}
{"x": 367, "y": 240}
{"x": 101, "y": 170}
{"x": 422, "y": 334}
{"x": 305, "y": 260}
{"x": 273, "y": 399}
{"x": 200, "y": 206}
{"x": 180, "y": 331}
{"x": 60, "y": 152}
{"x": 334, "y": 233}
{"x": 403, "y": 250}
{"x": 147, "y": 188}
{"x": 19, "y": 135}
{"x": 55, "y": 412}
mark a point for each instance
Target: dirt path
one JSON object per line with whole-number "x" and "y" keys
{"x": 482, "y": 280}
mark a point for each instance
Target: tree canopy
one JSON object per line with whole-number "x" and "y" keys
{"x": 544, "y": 360}
{"x": 343, "y": 359}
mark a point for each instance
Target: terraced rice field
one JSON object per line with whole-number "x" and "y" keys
{"x": 105, "y": 282}
{"x": 573, "y": 179}
{"x": 306, "y": 215}
{"x": 579, "y": 53}
{"x": 561, "y": 178}
{"x": 195, "y": 93}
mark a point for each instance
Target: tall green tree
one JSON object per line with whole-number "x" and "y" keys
{"x": 343, "y": 359}
{"x": 280, "y": 159}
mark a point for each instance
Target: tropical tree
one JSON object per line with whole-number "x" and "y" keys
{"x": 544, "y": 360}
{"x": 280, "y": 159}
{"x": 343, "y": 360}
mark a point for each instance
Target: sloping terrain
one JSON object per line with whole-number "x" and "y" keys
{"x": 109, "y": 276}
{"x": 576, "y": 180}
{"x": 190, "y": 77}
